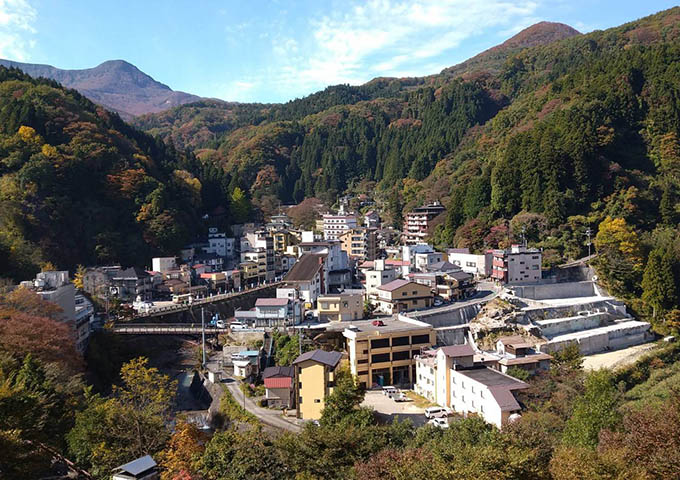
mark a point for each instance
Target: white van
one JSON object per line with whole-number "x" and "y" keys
{"x": 437, "y": 412}
{"x": 389, "y": 390}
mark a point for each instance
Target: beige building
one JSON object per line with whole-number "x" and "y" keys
{"x": 340, "y": 307}
{"x": 382, "y": 352}
{"x": 401, "y": 296}
{"x": 359, "y": 243}
{"x": 314, "y": 381}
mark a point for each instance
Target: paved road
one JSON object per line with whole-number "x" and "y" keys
{"x": 487, "y": 292}
{"x": 265, "y": 415}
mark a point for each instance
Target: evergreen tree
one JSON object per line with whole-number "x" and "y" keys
{"x": 658, "y": 281}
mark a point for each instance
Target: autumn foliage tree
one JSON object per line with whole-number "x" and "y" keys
{"x": 31, "y": 325}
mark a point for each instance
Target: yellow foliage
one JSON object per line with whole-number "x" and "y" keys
{"x": 29, "y": 135}
{"x": 49, "y": 151}
{"x": 614, "y": 233}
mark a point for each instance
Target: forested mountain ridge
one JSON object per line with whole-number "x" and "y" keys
{"x": 80, "y": 186}
{"x": 414, "y": 125}
{"x": 115, "y": 84}
{"x": 202, "y": 125}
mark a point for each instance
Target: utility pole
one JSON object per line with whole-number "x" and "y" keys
{"x": 588, "y": 233}
{"x": 203, "y": 333}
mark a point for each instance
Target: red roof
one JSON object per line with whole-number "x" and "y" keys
{"x": 278, "y": 382}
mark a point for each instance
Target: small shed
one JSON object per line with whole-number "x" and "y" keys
{"x": 144, "y": 468}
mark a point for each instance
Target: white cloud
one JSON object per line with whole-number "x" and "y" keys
{"x": 16, "y": 29}
{"x": 388, "y": 37}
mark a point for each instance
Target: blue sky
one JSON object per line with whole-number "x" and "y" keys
{"x": 279, "y": 50}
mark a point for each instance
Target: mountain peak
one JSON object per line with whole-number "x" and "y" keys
{"x": 541, "y": 33}
{"x": 115, "y": 84}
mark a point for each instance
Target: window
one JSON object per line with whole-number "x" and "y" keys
{"x": 363, "y": 360}
{"x": 380, "y": 343}
{"x": 453, "y": 380}
{"x": 418, "y": 339}
{"x": 481, "y": 408}
{"x": 399, "y": 341}
{"x": 403, "y": 294}
{"x": 363, "y": 372}
{"x": 317, "y": 400}
{"x": 400, "y": 356}
{"x": 299, "y": 384}
{"x": 481, "y": 394}
{"x": 299, "y": 400}
{"x": 380, "y": 357}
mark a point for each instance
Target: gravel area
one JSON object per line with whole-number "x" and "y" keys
{"x": 387, "y": 409}
{"x": 617, "y": 358}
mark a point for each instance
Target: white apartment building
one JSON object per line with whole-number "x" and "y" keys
{"x": 77, "y": 311}
{"x": 163, "y": 264}
{"x": 449, "y": 377}
{"x": 518, "y": 264}
{"x": 261, "y": 242}
{"x": 422, "y": 261}
{"x": 417, "y": 222}
{"x": 478, "y": 265}
{"x": 335, "y": 225}
{"x": 379, "y": 275}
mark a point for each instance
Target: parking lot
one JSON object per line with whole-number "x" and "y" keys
{"x": 387, "y": 409}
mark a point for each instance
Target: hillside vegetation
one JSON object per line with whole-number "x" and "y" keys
{"x": 80, "y": 186}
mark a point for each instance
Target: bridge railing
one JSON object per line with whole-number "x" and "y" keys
{"x": 201, "y": 301}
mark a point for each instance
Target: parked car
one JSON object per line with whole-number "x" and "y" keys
{"x": 399, "y": 396}
{"x": 437, "y": 412}
{"x": 220, "y": 324}
{"x": 439, "y": 423}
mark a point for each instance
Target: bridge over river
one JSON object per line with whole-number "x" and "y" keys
{"x": 225, "y": 303}
{"x": 165, "y": 329}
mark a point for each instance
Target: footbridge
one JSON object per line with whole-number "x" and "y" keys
{"x": 226, "y": 303}
{"x": 165, "y": 329}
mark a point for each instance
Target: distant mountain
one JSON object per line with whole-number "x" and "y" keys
{"x": 115, "y": 84}
{"x": 542, "y": 33}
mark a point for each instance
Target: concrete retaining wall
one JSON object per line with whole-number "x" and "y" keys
{"x": 612, "y": 337}
{"x": 451, "y": 335}
{"x": 447, "y": 318}
{"x": 555, "y": 290}
{"x": 559, "y": 326}
{"x": 614, "y": 307}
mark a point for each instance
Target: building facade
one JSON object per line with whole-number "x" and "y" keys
{"x": 478, "y": 265}
{"x": 335, "y": 225}
{"x": 382, "y": 352}
{"x": 401, "y": 296}
{"x": 517, "y": 265}
{"x": 450, "y": 377}
{"x": 341, "y": 307}
{"x": 359, "y": 243}
{"x": 314, "y": 381}
{"x": 417, "y": 222}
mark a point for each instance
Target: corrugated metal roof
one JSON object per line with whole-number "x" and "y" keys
{"x": 278, "y": 382}
{"x": 138, "y": 466}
